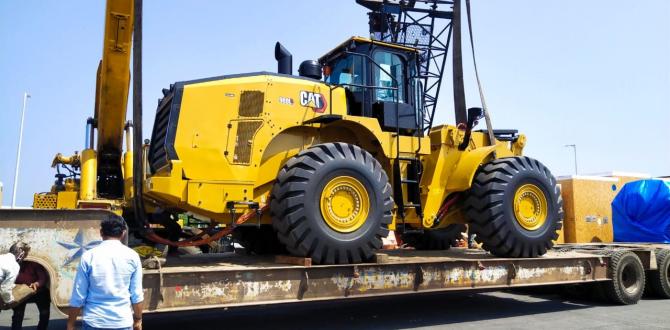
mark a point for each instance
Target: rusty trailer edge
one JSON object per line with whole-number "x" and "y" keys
{"x": 212, "y": 287}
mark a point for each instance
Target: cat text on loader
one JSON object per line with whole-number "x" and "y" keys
{"x": 334, "y": 158}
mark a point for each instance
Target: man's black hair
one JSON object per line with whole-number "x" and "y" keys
{"x": 113, "y": 227}
{"x": 19, "y": 249}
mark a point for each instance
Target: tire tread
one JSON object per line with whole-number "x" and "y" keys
{"x": 613, "y": 289}
{"x": 287, "y": 206}
{"x": 486, "y": 203}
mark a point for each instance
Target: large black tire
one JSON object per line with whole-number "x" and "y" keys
{"x": 659, "y": 280}
{"x": 297, "y": 203}
{"x": 257, "y": 240}
{"x": 628, "y": 278}
{"x": 438, "y": 239}
{"x": 491, "y": 201}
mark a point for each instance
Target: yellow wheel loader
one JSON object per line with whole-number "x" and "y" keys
{"x": 326, "y": 162}
{"x": 341, "y": 161}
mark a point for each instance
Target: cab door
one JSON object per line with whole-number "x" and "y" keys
{"x": 392, "y": 100}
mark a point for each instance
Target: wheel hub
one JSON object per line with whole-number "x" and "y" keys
{"x": 530, "y": 207}
{"x": 629, "y": 280}
{"x": 344, "y": 204}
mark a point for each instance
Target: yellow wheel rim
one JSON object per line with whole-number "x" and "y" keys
{"x": 345, "y": 204}
{"x": 530, "y": 207}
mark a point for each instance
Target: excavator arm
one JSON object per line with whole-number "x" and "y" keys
{"x": 111, "y": 100}
{"x": 106, "y": 171}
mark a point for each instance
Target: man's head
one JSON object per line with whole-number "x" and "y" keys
{"x": 112, "y": 228}
{"x": 19, "y": 250}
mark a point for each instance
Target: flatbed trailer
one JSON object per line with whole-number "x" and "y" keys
{"x": 204, "y": 281}
{"x": 230, "y": 279}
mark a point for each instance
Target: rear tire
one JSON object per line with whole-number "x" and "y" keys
{"x": 515, "y": 207}
{"x": 332, "y": 203}
{"x": 659, "y": 280}
{"x": 437, "y": 239}
{"x": 628, "y": 278}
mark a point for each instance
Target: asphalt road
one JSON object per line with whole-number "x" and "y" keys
{"x": 484, "y": 310}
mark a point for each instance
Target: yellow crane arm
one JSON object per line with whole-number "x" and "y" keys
{"x": 106, "y": 171}
{"x": 102, "y": 169}
{"x": 114, "y": 76}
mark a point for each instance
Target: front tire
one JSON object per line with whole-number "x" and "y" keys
{"x": 332, "y": 203}
{"x": 515, "y": 207}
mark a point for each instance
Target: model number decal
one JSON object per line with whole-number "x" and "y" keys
{"x": 313, "y": 100}
{"x": 285, "y": 100}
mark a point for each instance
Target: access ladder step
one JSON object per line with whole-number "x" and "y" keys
{"x": 411, "y": 205}
{"x": 405, "y": 181}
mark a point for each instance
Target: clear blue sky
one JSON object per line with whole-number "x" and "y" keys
{"x": 595, "y": 73}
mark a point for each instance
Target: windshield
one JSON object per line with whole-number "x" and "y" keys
{"x": 346, "y": 71}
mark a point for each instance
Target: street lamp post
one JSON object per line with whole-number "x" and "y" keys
{"x": 18, "y": 151}
{"x": 574, "y": 150}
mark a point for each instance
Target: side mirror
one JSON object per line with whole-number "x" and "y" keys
{"x": 474, "y": 114}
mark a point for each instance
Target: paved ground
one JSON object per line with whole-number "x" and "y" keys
{"x": 486, "y": 310}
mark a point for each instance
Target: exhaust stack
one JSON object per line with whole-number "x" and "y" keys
{"x": 284, "y": 59}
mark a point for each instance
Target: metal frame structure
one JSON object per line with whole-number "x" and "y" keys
{"x": 421, "y": 25}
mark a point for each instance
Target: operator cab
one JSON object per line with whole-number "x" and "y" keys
{"x": 381, "y": 81}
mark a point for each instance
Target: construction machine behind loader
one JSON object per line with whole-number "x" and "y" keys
{"x": 326, "y": 162}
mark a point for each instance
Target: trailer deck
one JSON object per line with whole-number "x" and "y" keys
{"x": 58, "y": 238}
{"x": 216, "y": 281}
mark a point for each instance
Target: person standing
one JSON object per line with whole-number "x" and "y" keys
{"x": 9, "y": 270}
{"x": 34, "y": 276}
{"x": 107, "y": 288}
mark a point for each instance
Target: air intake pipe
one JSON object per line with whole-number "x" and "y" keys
{"x": 284, "y": 60}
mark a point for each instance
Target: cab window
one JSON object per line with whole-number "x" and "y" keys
{"x": 388, "y": 73}
{"x": 348, "y": 71}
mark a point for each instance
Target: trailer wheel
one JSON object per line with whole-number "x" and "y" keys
{"x": 627, "y": 284}
{"x": 659, "y": 280}
{"x": 438, "y": 239}
{"x": 332, "y": 202}
{"x": 515, "y": 207}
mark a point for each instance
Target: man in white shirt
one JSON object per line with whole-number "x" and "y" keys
{"x": 9, "y": 269}
{"x": 107, "y": 289}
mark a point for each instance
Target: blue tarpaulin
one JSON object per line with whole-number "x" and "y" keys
{"x": 641, "y": 212}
